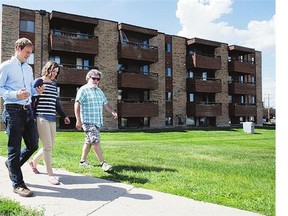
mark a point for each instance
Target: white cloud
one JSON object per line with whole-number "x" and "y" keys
{"x": 202, "y": 18}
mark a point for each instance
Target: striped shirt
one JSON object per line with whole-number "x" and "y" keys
{"x": 91, "y": 102}
{"x": 47, "y": 100}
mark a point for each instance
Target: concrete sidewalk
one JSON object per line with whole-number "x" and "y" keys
{"x": 83, "y": 195}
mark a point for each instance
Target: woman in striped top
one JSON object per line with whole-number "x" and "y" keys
{"x": 47, "y": 107}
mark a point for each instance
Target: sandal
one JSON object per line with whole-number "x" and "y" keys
{"x": 33, "y": 167}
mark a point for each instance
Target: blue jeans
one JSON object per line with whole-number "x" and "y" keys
{"x": 19, "y": 124}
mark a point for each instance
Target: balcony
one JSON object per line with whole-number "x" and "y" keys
{"x": 73, "y": 42}
{"x": 203, "y": 61}
{"x": 138, "y": 51}
{"x": 73, "y": 74}
{"x": 242, "y": 88}
{"x": 204, "y": 109}
{"x": 132, "y": 108}
{"x": 138, "y": 80}
{"x": 242, "y": 110}
{"x": 203, "y": 85}
{"x": 242, "y": 67}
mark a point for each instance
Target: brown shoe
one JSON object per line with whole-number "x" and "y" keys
{"x": 23, "y": 191}
{"x": 10, "y": 174}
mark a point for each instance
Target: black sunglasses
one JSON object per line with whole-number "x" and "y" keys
{"x": 95, "y": 78}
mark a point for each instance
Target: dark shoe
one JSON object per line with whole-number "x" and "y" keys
{"x": 23, "y": 191}
{"x": 10, "y": 174}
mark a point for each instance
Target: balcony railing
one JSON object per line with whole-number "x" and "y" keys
{"x": 203, "y": 61}
{"x": 242, "y": 66}
{"x": 138, "y": 80}
{"x": 246, "y": 88}
{"x": 138, "y": 51}
{"x": 209, "y": 85}
{"x": 244, "y": 109}
{"x": 204, "y": 109}
{"x": 73, "y": 74}
{"x": 73, "y": 42}
{"x": 135, "y": 108}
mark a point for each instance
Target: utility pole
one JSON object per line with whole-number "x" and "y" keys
{"x": 268, "y": 103}
{"x": 42, "y": 13}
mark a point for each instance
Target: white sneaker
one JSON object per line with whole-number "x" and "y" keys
{"x": 53, "y": 180}
{"x": 85, "y": 164}
{"x": 106, "y": 167}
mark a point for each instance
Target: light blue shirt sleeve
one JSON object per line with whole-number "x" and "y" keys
{"x": 13, "y": 77}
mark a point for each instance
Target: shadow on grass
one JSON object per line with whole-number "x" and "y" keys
{"x": 121, "y": 168}
{"x": 117, "y": 176}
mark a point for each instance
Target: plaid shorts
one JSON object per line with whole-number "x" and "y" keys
{"x": 92, "y": 133}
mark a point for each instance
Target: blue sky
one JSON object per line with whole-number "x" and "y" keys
{"x": 248, "y": 23}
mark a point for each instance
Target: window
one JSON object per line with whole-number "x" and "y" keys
{"x": 168, "y": 47}
{"x": 168, "y": 120}
{"x": 79, "y": 63}
{"x": 230, "y": 79}
{"x": 191, "y": 97}
{"x": 58, "y": 91}
{"x": 119, "y": 94}
{"x": 241, "y": 79}
{"x": 27, "y": 26}
{"x": 145, "y": 44}
{"x": 204, "y": 76}
{"x": 86, "y": 64}
{"x": 146, "y": 95}
{"x": 252, "y": 100}
{"x": 242, "y": 100}
{"x": 169, "y": 72}
{"x": 190, "y": 52}
{"x": 230, "y": 98}
{"x": 144, "y": 69}
{"x": 30, "y": 60}
{"x": 240, "y": 58}
{"x": 168, "y": 96}
{"x": 56, "y": 59}
{"x": 253, "y": 80}
{"x": 123, "y": 122}
{"x": 146, "y": 122}
{"x": 121, "y": 68}
{"x": 190, "y": 74}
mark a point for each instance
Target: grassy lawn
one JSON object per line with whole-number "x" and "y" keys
{"x": 226, "y": 167}
{"x": 12, "y": 208}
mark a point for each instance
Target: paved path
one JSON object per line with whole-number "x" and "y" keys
{"x": 83, "y": 195}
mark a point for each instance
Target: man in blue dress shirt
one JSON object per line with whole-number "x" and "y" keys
{"x": 16, "y": 77}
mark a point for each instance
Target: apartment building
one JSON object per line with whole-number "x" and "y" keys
{"x": 153, "y": 79}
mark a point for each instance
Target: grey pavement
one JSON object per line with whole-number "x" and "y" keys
{"x": 84, "y": 195}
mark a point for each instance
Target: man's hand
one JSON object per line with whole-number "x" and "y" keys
{"x": 22, "y": 94}
{"x": 115, "y": 115}
{"x": 79, "y": 125}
